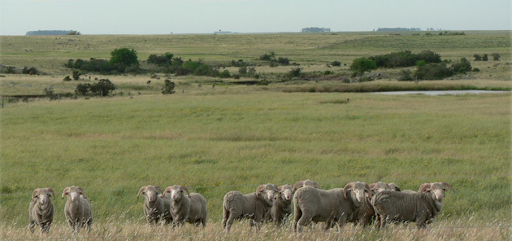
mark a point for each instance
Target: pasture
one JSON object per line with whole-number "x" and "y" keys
{"x": 232, "y": 137}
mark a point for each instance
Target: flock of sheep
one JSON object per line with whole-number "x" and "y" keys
{"x": 357, "y": 202}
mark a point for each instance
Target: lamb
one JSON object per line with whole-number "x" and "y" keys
{"x": 189, "y": 208}
{"x": 304, "y": 183}
{"x": 254, "y": 206}
{"x": 78, "y": 209}
{"x": 155, "y": 208}
{"x": 282, "y": 205}
{"x": 41, "y": 209}
{"x": 421, "y": 207}
{"x": 329, "y": 206}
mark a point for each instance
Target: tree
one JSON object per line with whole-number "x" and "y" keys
{"x": 361, "y": 65}
{"x": 168, "y": 87}
{"x": 124, "y": 57}
{"x": 76, "y": 74}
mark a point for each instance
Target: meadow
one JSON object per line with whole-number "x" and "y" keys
{"x": 232, "y": 137}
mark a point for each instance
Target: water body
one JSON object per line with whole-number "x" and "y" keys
{"x": 441, "y": 92}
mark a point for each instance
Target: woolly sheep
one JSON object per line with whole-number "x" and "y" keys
{"x": 421, "y": 207}
{"x": 41, "y": 209}
{"x": 78, "y": 209}
{"x": 329, "y": 206}
{"x": 254, "y": 206}
{"x": 189, "y": 208}
{"x": 282, "y": 205}
{"x": 305, "y": 183}
{"x": 154, "y": 205}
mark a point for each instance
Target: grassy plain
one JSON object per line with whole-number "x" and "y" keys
{"x": 230, "y": 137}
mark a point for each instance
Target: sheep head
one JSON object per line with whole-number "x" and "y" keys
{"x": 381, "y": 186}
{"x": 266, "y": 192}
{"x": 176, "y": 192}
{"x": 43, "y": 195}
{"x": 305, "y": 183}
{"x": 358, "y": 191}
{"x": 285, "y": 192}
{"x": 73, "y": 193}
{"x": 394, "y": 186}
{"x": 150, "y": 192}
{"x": 436, "y": 189}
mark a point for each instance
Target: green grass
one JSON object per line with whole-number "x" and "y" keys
{"x": 216, "y": 143}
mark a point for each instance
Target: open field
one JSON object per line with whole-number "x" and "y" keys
{"x": 235, "y": 137}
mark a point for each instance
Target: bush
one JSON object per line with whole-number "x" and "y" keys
{"x": 496, "y": 56}
{"x": 283, "y": 61}
{"x": 268, "y": 57}
{"x": 124, "y": 57}
{"x": 405, "y": 59}
{"x": 476, "y": 70}
{"x": 67, "y": 78}
{"x": 462, "y": 66}
{"x": 224, "y": 74}
{"x": 76, "y": 74}
{"x": 103, "y": 88}
{"x": 336, "y": 63}
{"x": 361, "y": 65}
{"x": 31, "y": 70}
{"x": 485, "y": 57}
{"x": 477, "y": 57}
{"x": 168, "y": 87}
{"x": 433, "y": 71}
{"x": 242, "y": 70}
{"x": 48, "y": 92}
{"x": 405, "y": 75}
{"x": 295, "y": 72}
{"x": 161, "y": 60}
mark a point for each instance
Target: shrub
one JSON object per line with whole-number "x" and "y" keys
{"x": 67, "y": 78}
{"x": 76, "y": 74}
{"x": 485, "y": 57}
{"x": 295, "y": 72}
{"x": 168, "y": 87}
{"x": 268, "y": 57}
{"x": 283, "y": 61}
{"x": 224, "y": 74}
{"x": 476, "y": 70}
{"x": 242, "y": 70}
{"x": 236, "y": 76}
{"x": 405, "y": 59}
{"x": 477, "y": 57}
{"x": 48, "y": 92}
{"x": 462, "y": 66}
{"x": 82, "y": 89}
{"x": 405, "y": 75}
{"x": 336, "y": 63}
{"x": 124, "y": 57}
{"x": 30, "y": 70}
{"x": 102, "y": 88}
{"x": 496, "y": 56}
{"x": 361, "y": 65}
{"x": 433, "y": 71}
{"x": 161, "y": 60}
{"x": 420, "y": 63}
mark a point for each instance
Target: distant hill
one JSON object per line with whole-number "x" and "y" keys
{"x": 50, "y": 32}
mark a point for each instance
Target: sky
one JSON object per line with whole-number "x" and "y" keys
{"x": 248, "y": 16}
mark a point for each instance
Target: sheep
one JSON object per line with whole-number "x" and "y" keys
{"x": 41, "y": 209}
{"x": 78, "y": 209}
{"x": 254, "y": 206}
{"x": 282, "y": 205}
{"x": 304, "y": 183}
{"x": 329, "y": 206}
{"x": 367, "y": 212}
{"x": 189, "y": 208}
{"x": 421, "y": 207}
{"x": 155, "y": 208}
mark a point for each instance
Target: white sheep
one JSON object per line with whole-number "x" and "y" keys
{"x": 78, "y": 209}
{"x": 41, "y": 209}
{"x": 189, "y": 208}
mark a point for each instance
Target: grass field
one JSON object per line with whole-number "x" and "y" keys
{"x": 232, "y": 137}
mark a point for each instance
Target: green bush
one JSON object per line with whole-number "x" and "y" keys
{"x": 102, "y": 88}
{"x": 224, "y": 74}
{"x": 433, "y": 71}
{"x": 283, "y": 61}
{"x": 168, "y": 87}
{"x": 67, "y": 78}
{"x": 405, "y": 59}
{"x": 405, "y": 75}
{"x": 76, "y": 74}
{"x": 27, "y": 70}
{"x": 462, "y": 66}
{"x": 161, "y": 60}
{"x": 294, "y": 73}
{"x": 336, "y": 63}
{"x": 361, "y": 65}
{"x": 496, "y": 56}
{"x": 124, "y": 57}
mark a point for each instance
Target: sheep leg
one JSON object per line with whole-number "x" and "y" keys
{"x": 297, "y": 215}
{"x": 304, "y": 220}
{"x": 31, "y": 226}
{"x": 230, "y": 221}
{"x": 45, "y": 228}
{"x": 225, "y": 216}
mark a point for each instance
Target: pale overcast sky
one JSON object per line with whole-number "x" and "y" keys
{"x": 246, "y": 16}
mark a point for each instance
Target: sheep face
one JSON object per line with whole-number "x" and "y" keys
{"x": 150, "y": 192}
{"x": 176, "y": 192}
{"x": 358, "y": 192}
{"x": 436, "y": 189}
{"x": 73, "y": 193}
{"x": 43, "y": 195}
{"x": 267, "y": 192}
{"x": 285, "y": 192}
{"x": 380, "y": 186}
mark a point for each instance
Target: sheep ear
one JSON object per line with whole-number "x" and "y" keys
{"x": 35, "y": 193}
{"x": 260, "y": 189}
{"x": 142, "y": 189}
{"x": 445, "y": 184}
{"x": 51, "y": 190}
{"x": 297, "y": 185}
{"x": 64, "y": 193}
{"x": 316, "y": 185}
{"x": 424, "y": 187}
{"x": 345, "y": 189}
